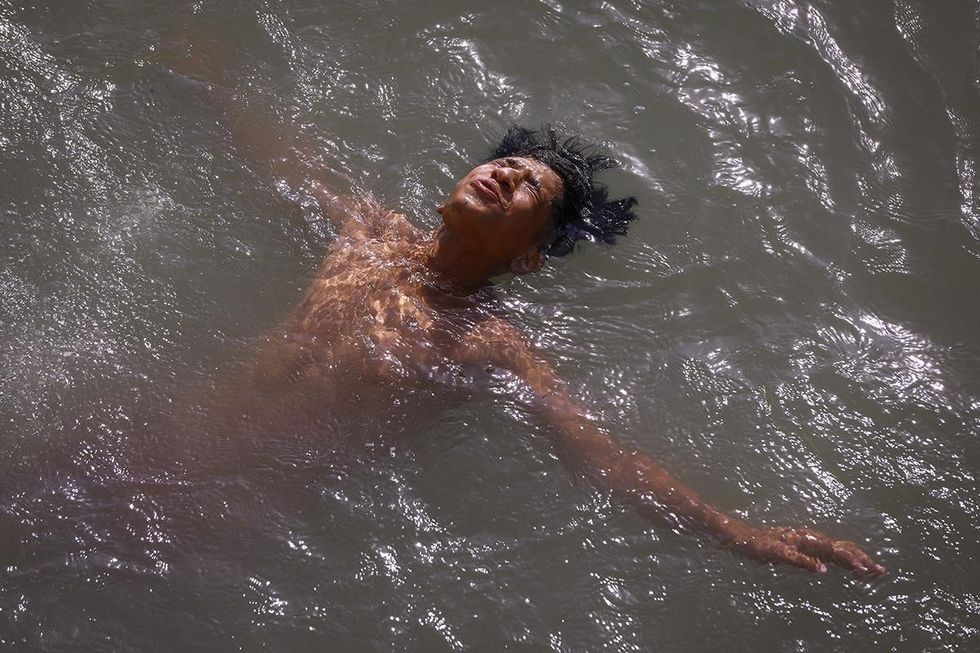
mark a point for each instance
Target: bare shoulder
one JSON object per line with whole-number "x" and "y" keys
{"x": 496, "y": 341}
{"x": 370, "y": 219}
{"x": 494, "y": 330}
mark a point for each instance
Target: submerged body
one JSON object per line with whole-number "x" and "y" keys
{"x": 395, "y": 321}
{"x": 372, "y": 323}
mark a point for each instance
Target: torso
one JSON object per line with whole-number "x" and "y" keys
{"x": 374, "y": 343}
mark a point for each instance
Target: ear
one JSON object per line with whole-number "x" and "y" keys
{"x": 532, "y": 261}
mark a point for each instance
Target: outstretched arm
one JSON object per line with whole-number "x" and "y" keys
{"x": 275, "y": 151}
{"x": 635, "y": 478}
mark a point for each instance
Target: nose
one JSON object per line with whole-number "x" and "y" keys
{"x": 508, "y": 178}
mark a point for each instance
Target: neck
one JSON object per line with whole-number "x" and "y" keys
{"x": 458, "y": 263}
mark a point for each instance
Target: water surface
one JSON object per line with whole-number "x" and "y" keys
{"x": 792, "y": 326}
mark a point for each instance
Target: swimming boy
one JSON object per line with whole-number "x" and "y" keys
{"x": 394, "y": 310}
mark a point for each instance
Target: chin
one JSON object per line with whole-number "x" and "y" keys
{"x": 468, "y": 210}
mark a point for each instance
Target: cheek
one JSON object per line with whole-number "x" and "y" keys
{"x": 535, "y": 222}
{"x": 514, "y": 236}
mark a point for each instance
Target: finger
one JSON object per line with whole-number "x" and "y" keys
{"x": 793, "y": 557}
{"x": 850, "y": 556}
{"x": 843, "y": 553}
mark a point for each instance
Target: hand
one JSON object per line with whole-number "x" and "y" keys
{"x": 802, "y": 547}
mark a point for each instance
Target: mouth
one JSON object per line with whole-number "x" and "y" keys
{"x": 487, "y": 189}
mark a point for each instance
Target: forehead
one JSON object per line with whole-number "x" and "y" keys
{"x": 525, "y": 162}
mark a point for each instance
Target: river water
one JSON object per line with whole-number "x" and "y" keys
{"x": 792, "y": 326}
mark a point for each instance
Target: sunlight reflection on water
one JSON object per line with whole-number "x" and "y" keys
{"x": 791, "y": 327}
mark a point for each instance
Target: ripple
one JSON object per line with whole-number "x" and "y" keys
{"x": 788, "y": 327}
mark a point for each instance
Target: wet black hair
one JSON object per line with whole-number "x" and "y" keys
{"x": 585, "y": 212}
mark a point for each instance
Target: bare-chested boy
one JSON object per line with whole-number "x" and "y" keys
{"x": 394, "y": 311}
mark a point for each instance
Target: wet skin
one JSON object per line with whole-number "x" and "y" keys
{"x": 392, "y": 308}
{"x": 391, "y": 305}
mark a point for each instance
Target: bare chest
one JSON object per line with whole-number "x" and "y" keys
{"x": 370, "y": 314}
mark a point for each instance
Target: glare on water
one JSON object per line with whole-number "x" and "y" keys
{"x": 790, "y": 327}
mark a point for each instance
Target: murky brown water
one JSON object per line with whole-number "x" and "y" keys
{"x": 792, "y": 327}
